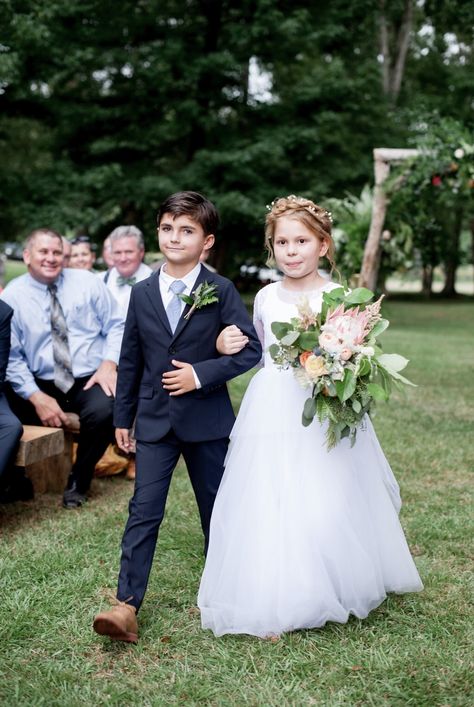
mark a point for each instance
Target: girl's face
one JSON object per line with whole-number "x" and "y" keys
{"x": 297, "y": 250}
{"x": 81, "y": 257}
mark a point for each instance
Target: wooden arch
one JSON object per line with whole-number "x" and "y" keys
{"x": 384, "y": 157}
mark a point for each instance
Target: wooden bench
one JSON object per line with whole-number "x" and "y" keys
{"x": 46, "y": 454}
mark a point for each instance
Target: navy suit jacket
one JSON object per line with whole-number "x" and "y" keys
{"x": 149, "y": 346}
{"x": 6, "y": 313}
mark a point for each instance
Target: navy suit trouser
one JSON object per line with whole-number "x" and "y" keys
{"x": 155, "y": 463}
{"x": 10, "y": 433}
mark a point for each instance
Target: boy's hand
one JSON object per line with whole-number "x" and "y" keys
{"x": 180, "y": 381}
{"x": 231, "y": 341}
{"x": 124, "y": 441}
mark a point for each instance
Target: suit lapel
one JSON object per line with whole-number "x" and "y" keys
{"x": 153, "y": 292}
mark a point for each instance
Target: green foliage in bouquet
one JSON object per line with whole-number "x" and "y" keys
{"x": 336, "y": 351}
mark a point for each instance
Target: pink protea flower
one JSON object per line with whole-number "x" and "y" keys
{"x": 350, "y": 326}
{"x": 331, "y": 343}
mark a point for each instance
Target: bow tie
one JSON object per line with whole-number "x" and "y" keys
{"x": 126, "y": 281}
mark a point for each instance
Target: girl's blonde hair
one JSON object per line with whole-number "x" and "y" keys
{"x": 314, "y": 217}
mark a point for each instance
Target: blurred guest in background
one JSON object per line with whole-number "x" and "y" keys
{"x": 66, "y": 252}
{"x": 82, "y": 253}
{"x": 128, "y": 250}
{"x": 107, "y": 253}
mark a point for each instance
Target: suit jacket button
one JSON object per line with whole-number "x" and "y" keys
{"x": 172, "y": 351}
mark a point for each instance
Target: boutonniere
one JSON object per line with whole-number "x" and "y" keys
{"x": 203, "y": 295}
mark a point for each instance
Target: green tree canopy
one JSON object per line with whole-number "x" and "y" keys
{"x": 107, "y": 107}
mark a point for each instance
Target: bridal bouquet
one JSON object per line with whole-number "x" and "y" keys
{"x": 337, "y": 353}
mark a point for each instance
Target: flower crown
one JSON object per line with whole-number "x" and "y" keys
{"x": 304, "y": 203}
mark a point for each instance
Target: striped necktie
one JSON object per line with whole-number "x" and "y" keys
{"x": 63, "y": 378}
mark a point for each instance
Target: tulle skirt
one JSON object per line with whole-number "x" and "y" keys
{"x": 299, "y": 535}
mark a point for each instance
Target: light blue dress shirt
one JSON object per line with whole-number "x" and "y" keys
{"x": 95, "y": 327}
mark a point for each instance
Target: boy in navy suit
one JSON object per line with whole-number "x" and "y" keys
{"x": 172, "y": 383}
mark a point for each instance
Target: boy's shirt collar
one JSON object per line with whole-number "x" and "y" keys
{"x": 189, "y": 279}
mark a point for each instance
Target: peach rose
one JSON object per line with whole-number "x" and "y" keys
{"x": 315, "y": 367}
{"x": 304, "y": 357}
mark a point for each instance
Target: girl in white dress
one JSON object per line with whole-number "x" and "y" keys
{"x": 299, "y": 535}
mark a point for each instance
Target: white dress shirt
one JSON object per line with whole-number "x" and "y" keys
{"x": 122, "y": 292}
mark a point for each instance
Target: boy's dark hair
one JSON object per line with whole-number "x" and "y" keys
{"x": 193, "y": 204}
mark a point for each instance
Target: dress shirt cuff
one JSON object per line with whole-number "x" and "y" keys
{"x": 196, "y": 379}
{"x": 111, "y": 355}
{"x": 26, "y": 390}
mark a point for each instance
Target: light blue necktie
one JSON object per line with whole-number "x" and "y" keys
{"x": 173, "y": 310}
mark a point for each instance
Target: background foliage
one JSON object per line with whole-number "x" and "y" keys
{"x": 107, "y": 107}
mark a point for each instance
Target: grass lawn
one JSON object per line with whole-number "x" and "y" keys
{"x": 14, "y": 268}
{"x": 57, "y": 569}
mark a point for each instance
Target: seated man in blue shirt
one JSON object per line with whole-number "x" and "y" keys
{"x": 10, "y": 426}
{"x": 65, "y": 344}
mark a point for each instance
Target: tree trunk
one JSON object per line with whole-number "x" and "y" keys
{"x": 451, "y": 261}
{"x": 403, "y": 42}
{"x": 427, "y": 280}
{"x": 384, "y": 49}
{"x": 471, "y": 226}
{"x": 212, "y": 12}
{"x": 392, "y": 73}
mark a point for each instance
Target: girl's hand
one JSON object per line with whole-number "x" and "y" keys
{"x": 231, "y": 341}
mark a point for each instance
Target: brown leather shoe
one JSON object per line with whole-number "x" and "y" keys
{"x": 119, "y": 623}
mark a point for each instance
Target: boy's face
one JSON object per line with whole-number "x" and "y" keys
{"x": 182, "y": 241}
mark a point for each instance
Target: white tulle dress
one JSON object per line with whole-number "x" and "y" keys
{"x": 299, "y": 535}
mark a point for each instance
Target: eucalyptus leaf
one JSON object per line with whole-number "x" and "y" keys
{"x": 364, "y": 367}
{"x": 392, "y": 362}
{"x": 379, "y": 327}
{"x": 377, "y": 391}
{"x": 273, "y": 350}
{"x": 290, "y": 338}
{"x": 308, "y": 340}
{"x": 350, "y": 382}
{"x": 359, "y": 296}
{"x": 280, "y": 329}
{"x": 337, "y": 293}
{"x": 309, "y": 410}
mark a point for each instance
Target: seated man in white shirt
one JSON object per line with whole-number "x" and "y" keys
{"x": 128, "y": 250}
